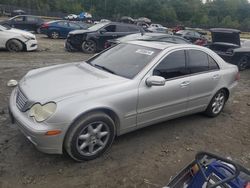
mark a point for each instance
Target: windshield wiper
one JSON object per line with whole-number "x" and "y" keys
{"x": 104, "y": 68}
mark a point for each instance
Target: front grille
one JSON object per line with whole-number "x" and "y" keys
{"x": 21, "y": 100}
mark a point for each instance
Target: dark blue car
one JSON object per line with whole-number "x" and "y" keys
{"x": 60, "y": 28}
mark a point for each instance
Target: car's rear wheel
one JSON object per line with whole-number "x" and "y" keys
{"x": 14, "y": 45}
{"x": 89, "y": 46}
{"x": 54, "y": 35}
{"x": 90, "y": 136}
{"x": 243, "y": 63}
{"x": 217, "y": 104}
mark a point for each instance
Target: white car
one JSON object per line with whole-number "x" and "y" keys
{"x": 71, "y": 17}
{"x": 16, "y": 40}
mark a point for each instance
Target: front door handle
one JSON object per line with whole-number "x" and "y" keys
{"x": 184, "y": 84}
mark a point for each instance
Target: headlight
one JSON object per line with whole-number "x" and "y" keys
{"x": 28, "y": 37}
{"x": 42, "y": 112}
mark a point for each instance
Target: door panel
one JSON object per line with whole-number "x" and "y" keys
{"x": 204, "y": 79}
{"x": 157, "y": 103}
{"x": 201, "y": 89}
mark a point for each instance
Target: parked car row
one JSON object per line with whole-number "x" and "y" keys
{"x": 91, "y": 39}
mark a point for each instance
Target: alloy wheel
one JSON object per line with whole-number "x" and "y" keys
{"x": 218, "y": 103}
{"x": 89, "y": 46}
{"x": 93, "y": 138}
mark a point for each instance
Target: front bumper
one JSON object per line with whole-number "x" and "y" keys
{"x": 35, "y": 132}
{"x": 69, "y": 47}
{"x": 31, "y": 45}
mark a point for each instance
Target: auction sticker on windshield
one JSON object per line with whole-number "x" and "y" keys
{"x": 145, "y": 52}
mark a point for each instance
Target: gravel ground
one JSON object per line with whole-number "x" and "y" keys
{"x": 145, "y": 158}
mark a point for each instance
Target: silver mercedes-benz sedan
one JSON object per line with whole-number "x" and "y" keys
{"x": 80, "y": 107}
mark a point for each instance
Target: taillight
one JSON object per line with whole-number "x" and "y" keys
{"x": 237, "y": 77}
{"x": 45, "y": 26}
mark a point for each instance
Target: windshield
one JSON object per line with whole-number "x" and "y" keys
{"x": 125, "y": 60}
{"x": 97, "y": 26}
{"x": 137, "y": 36}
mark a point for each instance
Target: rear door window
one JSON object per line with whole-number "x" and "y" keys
{"x": 197, "y": 61}
{"x": 110, "y": 28}
{"x": 19, "y": 19}
{"x": 212, "y": 64}
{"x": 62, "y": 24}
{"x": 122, "y": 28}
{"x": 75, "y": 26}
{"x": 31, "y": 19}
{"x": 172, "y": 66}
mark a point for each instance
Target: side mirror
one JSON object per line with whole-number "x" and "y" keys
{"x": 103, "y": 31}
{"x": 155, "y": 81}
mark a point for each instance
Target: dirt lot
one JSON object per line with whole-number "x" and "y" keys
{"x": 145, "y": 158}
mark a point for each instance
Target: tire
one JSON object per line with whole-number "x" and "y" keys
{"x": 217, "y": 104}
{"x": 54, "y": 35}
{"x": 14, "y": 45}
{"x": 89, "y": 46}
{"x": 243, "y": 63}
{"x": 90, "y": 136}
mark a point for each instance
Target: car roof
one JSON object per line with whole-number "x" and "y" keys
{"x": 158, "y": 45}
{"x": 225, "y": 30}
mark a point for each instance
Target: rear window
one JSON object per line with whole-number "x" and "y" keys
{"x": 125, "y": 60}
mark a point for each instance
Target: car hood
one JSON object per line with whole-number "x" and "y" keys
{"x": 21, "y": 32}
{"x": 63, "y": 81}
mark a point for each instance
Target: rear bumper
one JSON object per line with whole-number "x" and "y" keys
{"x": 31, "y": 45}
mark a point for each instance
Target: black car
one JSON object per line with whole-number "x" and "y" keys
{"x": 227, "y": 44}
{"x": 160, "y": 37}
{"x": 24, "y": 22}
{"x": 94, "y": 38}
{"x": 190, "y": 35}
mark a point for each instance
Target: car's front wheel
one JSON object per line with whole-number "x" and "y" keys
{"x": 217, "y": 104}
{"x": 89, "y": 46}
{"x": 90, "y": 136}
{"x": 14, "y": 45}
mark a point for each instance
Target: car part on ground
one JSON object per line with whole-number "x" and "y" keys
{"x": 227, "y": 44}
{"x": 94, "y": 38}
{"x": 129, "y": 86}
{"x": 16, "y": 40}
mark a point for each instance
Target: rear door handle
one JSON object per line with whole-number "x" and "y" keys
{"x": 184, "y": 84}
